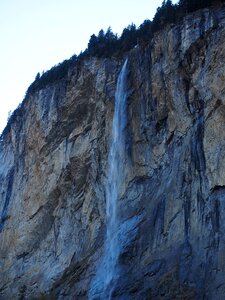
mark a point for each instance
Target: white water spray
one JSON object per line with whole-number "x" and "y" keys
{"x": 108, "y": 270}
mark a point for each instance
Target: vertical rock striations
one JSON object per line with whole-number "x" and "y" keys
{"x": 170, "y": 207}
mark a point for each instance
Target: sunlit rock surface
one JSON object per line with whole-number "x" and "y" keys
{"x": 171, "y": 210}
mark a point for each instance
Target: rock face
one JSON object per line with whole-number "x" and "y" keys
{"x": 171, "y": 207}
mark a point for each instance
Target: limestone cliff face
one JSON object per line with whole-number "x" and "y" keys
{"x": 172, "y": 205}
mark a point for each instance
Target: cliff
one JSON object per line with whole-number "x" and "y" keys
{"x": 171, "y": 202}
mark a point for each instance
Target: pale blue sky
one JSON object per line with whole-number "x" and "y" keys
{"x": 37, "y": 34}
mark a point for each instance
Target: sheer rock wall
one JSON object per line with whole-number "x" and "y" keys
{"x": 172, "y": 205}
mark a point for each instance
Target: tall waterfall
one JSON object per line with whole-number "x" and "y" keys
{"x": 108, "y": 270}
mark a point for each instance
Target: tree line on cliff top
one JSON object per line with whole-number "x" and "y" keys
{"x": 107, "y": 44}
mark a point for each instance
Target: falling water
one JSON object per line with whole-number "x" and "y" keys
{"x": 115, "y": 174}
{"x": 107, "y": 272}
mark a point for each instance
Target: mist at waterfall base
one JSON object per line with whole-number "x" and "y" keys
{"x": 107, "y": 272}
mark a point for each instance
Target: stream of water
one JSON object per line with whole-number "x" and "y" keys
{"x": 107, "y": 272}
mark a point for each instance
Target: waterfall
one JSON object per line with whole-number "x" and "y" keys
{"x": 115, "y": 174}
{"x": 107, "y": 271}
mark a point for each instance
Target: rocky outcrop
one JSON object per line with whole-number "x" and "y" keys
{"x": 172, "y": 201}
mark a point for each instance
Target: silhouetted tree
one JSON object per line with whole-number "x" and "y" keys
{"x": 128, "y": 38}
{"x": 144, "y": 33}
{"x": 37, "y": 76}
{"x": 93, "y": 45}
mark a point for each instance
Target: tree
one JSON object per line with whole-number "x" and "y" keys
{"x": 192, "y": 5}
{"x": 37, "y": 76}
{"x": 144, "y": 33}
{"x": 165, "y": 14}
{"x": 128, "y": 38}
{"x": 93, "y": 45}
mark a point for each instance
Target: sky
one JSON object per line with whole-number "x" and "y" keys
{"x": 38, "y": 34}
